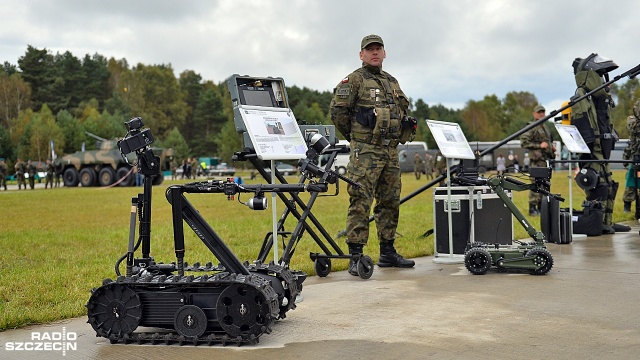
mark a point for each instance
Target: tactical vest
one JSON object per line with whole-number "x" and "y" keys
{"x": 379, "y": 109}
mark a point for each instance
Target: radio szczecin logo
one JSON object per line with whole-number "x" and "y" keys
{"x": 46, "y": 341}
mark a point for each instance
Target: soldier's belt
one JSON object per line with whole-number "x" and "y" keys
{"x": 382, "y": 142}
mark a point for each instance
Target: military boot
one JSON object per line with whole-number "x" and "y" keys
{"x": 627, "y": 207}
{"x": 354, "y": 249}
{"x": 532, "y": 210}
{"x": 390, "y": 258}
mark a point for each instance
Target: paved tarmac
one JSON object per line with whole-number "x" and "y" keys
{"x": 586, "y": 307}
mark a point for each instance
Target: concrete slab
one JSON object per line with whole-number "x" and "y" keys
{"x": 585, "y": 307}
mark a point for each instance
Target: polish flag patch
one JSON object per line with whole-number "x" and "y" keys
{"x": 345, "y": 80}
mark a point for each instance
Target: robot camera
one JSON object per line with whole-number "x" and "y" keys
{"x": 135, "y": 139}
{"x": 134, "y": 124}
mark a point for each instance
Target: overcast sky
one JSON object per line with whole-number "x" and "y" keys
{"x": 441, "y": 51}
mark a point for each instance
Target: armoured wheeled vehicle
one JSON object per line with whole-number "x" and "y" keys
{"x": 103, "y": 167}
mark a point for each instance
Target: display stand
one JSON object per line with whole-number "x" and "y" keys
{"x": 576, "y": 145}
{"x": 453, "y": 145}
{"x": 275, "y": 135}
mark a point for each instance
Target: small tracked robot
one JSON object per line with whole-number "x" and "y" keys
{"x": 531, "y": 256}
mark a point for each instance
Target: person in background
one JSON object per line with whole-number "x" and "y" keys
{"x": 428, "y": 167}
{"x": 50, "y": 170}
{"x": 418, "y": 166}
{"x": 3, "y": 174}
{"x": 501, "y": 166}
{"x": 539, "y": 142}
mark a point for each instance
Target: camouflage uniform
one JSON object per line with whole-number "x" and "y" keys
{"x": 632, "y": 149}
{"x": 31, "y": 169}
{"x": 418, "y": 166}
{"x": 367, "y": 108}
{"x": 538, "y": 156}
{"x": 3, "y": 174}
{"x": 441, "y": 166}
{"x": 428, "y": 167}
{"x": 50, "y": 170}
{"x": 20, "y": 169}
{"x": 194, "y": 168}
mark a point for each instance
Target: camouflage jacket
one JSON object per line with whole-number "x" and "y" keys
{"x": 20, "y": 168}
{"x": 363, "y": 97}
{"x": 633, "y": 146}
{"x": 31, "y": 168}
{"x": 533, "y": 138}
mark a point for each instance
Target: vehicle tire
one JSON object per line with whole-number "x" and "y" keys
{"x": 70, "y": 177}
{"x": 121, "y": 173}
{"x": 477, "y": 260}
{"x": 342, "y": 170}
{"x": 322, "y": 266}
{"x": 106, "y": 176}
{"x": 87, "y": 177}
{"x": 543, "y": 260}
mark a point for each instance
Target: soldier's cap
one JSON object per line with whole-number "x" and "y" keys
{"x": 539, "y": 108}
{"x": 371, "y": 39}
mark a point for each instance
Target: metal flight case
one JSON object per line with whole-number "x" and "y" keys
{"x": 478, "y": 214}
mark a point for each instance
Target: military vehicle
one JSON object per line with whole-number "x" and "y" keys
{"x": 105, "y": 166}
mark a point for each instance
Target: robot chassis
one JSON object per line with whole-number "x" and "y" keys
{"x": 524, "y": 256}
{"x": 232, "y": 302}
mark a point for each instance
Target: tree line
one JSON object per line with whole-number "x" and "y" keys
{"x": 48, "y": 98}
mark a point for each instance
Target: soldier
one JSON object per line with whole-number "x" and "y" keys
{"x": 3, "y": 174}
{"x": 441, "y": 166}
{"x": 593, "y": 119}
{"x": 174, "y": 169}
{"x": 20, "y": 170}
{"x": 368, "y": 108}
{"x": 630, "y": 152}
{"x": 540, "y": 145}
{"x": 194, "y": 167}
{"x": 32, "y": 170}
{"x": 418, "y": 166}
{"x": 428, "y": 167}
{"x": 50, "y": 169}
{"x": 57, "y": 172}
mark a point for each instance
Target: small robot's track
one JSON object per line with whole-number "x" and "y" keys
{"x": 208, "y": 309}
{"x": 286, "y": 283}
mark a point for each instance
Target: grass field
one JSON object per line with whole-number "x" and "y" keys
{"x": 59, "y": 244}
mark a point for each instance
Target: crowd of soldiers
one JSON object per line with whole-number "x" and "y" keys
{"x": 27, "y": 172}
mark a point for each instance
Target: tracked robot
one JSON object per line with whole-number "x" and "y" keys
{"x": 231, "y": 302}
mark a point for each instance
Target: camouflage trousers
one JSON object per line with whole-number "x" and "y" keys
{"x": 21, "y": 181}
{"x": 629, "y": 195}
{"x": 377, "y": 170}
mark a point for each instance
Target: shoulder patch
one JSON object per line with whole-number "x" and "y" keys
{"x": 345, "y": 80}
{"x": 342, "y": 92}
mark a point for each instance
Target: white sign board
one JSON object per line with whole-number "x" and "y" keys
{"x": 274, "y": 132}
{"x": 450, "y": 139}
{"x": 572, "y": 139}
